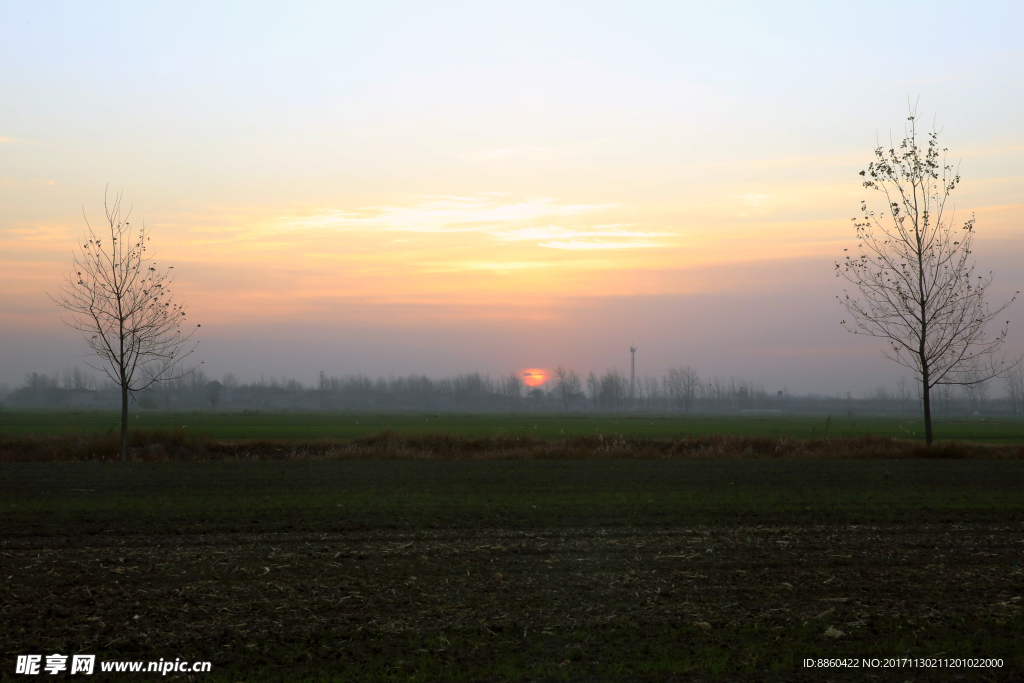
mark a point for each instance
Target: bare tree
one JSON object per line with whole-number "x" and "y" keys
{"x": 594, "y": 387}
{"x": 881, "y": 398}
{"x": 214, "y": 390}
{"x": 916, "y": 283}
{"x": 945, "y": 395}
{"x": 512, "y": 388}
{"x": 976, "y": 393}
{"x": 567, "y": 385}
{"x": 614, "y": 390}
{"x": 904, "y": 393}
{"x": 690, "y": 384}
{"x": 574, "y": 387}
{"x": 1015, "y": 390}
{"x": 650, "y": 388}
{"x": 73, "y": 379}
{"x": 681, "y": 387}
{"x": 673, "y": 388}
{"x": 561, "y": 382}
{"x": 120, "y": 301}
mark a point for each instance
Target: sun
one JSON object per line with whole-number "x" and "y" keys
{"x": 533, "y": 377}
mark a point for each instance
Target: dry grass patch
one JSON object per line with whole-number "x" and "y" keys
{"x": 177, "y": 446}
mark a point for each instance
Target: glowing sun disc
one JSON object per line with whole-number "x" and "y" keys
{"x": 533, "y": 377}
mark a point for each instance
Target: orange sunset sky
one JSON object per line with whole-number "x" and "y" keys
{"x": 388, "y": 188}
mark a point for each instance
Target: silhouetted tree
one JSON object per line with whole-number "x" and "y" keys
{"x": 594, "y": 387}
{"x": 123, "y": 305}
{"x": 916, "y": 283}
{"x": 682, "y": 386}
{"x": 213, "y": 391}
{"x": 512, "y": 388}
{"x": 568, "y": 385}
{"x": 1015, "y": 390}
{"x": 614, "y": 390}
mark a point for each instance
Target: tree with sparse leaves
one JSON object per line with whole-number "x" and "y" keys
{"x": 120, "y": 301}
{"x": 915, "y": 283}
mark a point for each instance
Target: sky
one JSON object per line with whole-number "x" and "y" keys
{"x": 391, "y": 188}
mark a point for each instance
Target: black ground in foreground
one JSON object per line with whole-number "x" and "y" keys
{"x": 645, "y": 570}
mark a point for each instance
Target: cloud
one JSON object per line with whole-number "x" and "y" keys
{"x": 750, "y": 199}
{"x": 600, "y": 244}
{"x": 497, "y": 215}
{"x": 508, "y": 265}
{"x": 481, "y": 213}
{"x": 39, "y": 233}
{"x": 512, "y": 151}
{"x": 557, "y": 232}
{"x": 578, "y": 239}
{"x": 22, "y": 141}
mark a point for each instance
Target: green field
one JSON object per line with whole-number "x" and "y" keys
{"x": 309, "y": 426}
{"x": 578, "y": 570}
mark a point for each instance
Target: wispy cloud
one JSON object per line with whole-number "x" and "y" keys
{"x": 500, "y": 216}
{"x": 550, "y": 232}
{"x": 506, "y": 265}
{"x": 22, "y": 141}
{"x": 557, "y": 237}
{"x": 508, "y": 152}
{"x": 39, "y": 233}
{"x": 484, "y": 212}
{"x": 600, "y": 244}
{"x": 750, "y": 199}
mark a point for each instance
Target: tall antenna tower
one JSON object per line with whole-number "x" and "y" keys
{"x": 632, "y": 375}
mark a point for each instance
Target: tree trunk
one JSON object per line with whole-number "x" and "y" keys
{"x": 124, "y": 421}
{"x": 925, "y": 389}
{"x": 926, "y": 394}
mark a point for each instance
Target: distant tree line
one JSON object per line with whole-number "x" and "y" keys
{"x": 680, "y": 390}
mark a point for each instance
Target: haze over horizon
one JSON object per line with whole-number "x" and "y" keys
{"x": 395, "y": 188}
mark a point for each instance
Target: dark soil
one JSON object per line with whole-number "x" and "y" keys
{"x": 747, "y": 602}
{"x": 511, "y": 570}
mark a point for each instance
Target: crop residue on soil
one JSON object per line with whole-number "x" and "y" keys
{"x": 421, "y": 603}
